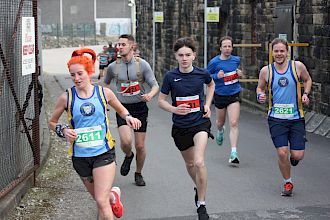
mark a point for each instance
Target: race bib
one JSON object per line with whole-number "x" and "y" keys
{"x": 89, "y": 137}
{"x": 230, "y": 78}
{"x": 283, "y": 111}
{"x": 193, "y": 101}
{"x": 130, "y": 89}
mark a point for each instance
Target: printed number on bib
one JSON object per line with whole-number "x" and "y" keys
{"x": 193, "y": 101}
{"x": 283, "y": 111}
{"x": 89, "y": 137}
{"x": 130, "y": 89}
{"x": 230, "y": 78}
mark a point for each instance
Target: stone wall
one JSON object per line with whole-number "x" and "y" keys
{"x": 249, "y": 22}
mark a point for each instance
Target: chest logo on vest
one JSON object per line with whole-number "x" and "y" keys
{"x": 87, "y": 109}
{"x": 283, "y": 82}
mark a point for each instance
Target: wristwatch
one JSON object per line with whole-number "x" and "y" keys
{"x": 59, "y": 129}
{"x": 128, "y": 115}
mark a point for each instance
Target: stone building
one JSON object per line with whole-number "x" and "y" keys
{"x": 248, "y": 22}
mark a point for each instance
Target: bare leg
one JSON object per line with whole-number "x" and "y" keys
{"x": 283, "y": 161}
{"x": 233, "y": 115}
{"x": 141, "y": 151}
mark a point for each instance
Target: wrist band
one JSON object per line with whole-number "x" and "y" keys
{"x": 258, "y": 95}
{"x": 59, "y": 129}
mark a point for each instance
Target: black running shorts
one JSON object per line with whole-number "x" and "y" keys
{"x": 137, "y": 110}
{"x": 221, "y": 102}
{"x": 84, "y": 165}
{"x": 184, "y": 137}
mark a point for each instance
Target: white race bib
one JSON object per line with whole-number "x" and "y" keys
{"x": 284, "y": 111}
{"x": 193, "y": 101}
{"x": 130, "y": 89}
{"x": 89, "y": 137}
{"x": 230, "y": 78}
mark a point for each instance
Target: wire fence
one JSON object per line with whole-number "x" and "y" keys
{"x": 19, "y": 109}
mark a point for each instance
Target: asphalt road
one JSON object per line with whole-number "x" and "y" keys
{"x": 251, "y": 191}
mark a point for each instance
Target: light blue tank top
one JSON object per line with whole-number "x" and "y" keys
{"x": 284, "y": 94}
{"x": 88, "y": 117}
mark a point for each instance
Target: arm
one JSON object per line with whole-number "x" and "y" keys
{"x": 180, "y": 110}
{"x": 148, "y": 96}
{"x": 109, "y": 75}
{"x": 121, "y": 110}
{"x": 262, "y": 84}
{"x": 150, "y": 78}
{"x": 60, "y": 106}
{"x": 209, "y": 97}
{"x": 307, "y": 80}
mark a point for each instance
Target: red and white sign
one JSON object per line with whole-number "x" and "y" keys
{"x": 28, "y": 46}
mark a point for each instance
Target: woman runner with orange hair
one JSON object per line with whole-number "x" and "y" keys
{"x": 87, "y": 131}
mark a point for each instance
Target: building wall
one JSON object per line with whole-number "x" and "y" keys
{"x": 82, "y": 11}
{"x": 49, "y": 11}
{"x": 247, "y": 21}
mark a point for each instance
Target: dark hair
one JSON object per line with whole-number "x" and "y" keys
{"x": 128, "y": 37}
{"x": 280, "y": 40}
{"x": 184, "y": 41}
{"x": 225, "y": 38}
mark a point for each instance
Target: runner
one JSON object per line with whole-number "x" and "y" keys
{"x": 225, "y": 73}
{"x": 285, "y": 115}
{"x": 103, "y": 58}
{"x": 91, "y": 143}
{"x": 131, "y": 74}
{"x": 191, "y": 114}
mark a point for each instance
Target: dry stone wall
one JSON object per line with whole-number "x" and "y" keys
{"x": 248, "y": 22}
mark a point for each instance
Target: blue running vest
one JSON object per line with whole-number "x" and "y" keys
{"x": 284, "y": 93}
{"x": 88, "y": 117}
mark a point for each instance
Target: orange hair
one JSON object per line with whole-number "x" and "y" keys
{"x": 78, "y": 57}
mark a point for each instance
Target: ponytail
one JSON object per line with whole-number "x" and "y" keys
{"x": 78, "y": 57}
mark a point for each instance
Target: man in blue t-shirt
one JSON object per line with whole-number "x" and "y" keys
{"x": 224, "y": 71}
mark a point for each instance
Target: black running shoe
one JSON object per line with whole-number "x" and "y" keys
{"x": 196, "y": 196}
{"x": 202, "y": 213}
{"x": 126, "y": 166}
{"x": 293, "y": 161}
{"x": 139, "y": 179}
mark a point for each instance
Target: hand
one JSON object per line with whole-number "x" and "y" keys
{"x": 239, "y": 72}
{"x": 305, "y": 99}
{"x": 133, "y": 122}
{"x": 70, "y": 134}
{"x": 182, "y": 109}
{"x": 146, "y": 97}
{"x": 207, "y": 112}
{"x": 221, "y": 74}
{"x": 261, "y": 97}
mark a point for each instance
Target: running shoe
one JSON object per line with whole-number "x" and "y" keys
{"x": 219, "y": 137}
{"x": 287, "y": 189}
{"x": 293, "y": 161}
{"x": 126, "y": 166}
{"x": 202, "y": 213}
{"x": 233, "y": 159}
{"x": 139, "y": 179}
{"x": 196, "y": 196}
{"x": 117, "y": 207}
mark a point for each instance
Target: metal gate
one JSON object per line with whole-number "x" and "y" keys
{"x": 19, "y": 96}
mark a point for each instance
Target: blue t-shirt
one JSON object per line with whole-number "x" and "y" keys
{"x": 187, "y": 88}
{"x": 229, "y": 84}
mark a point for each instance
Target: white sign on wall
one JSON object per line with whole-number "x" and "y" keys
{"x": 28, "y": 46}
